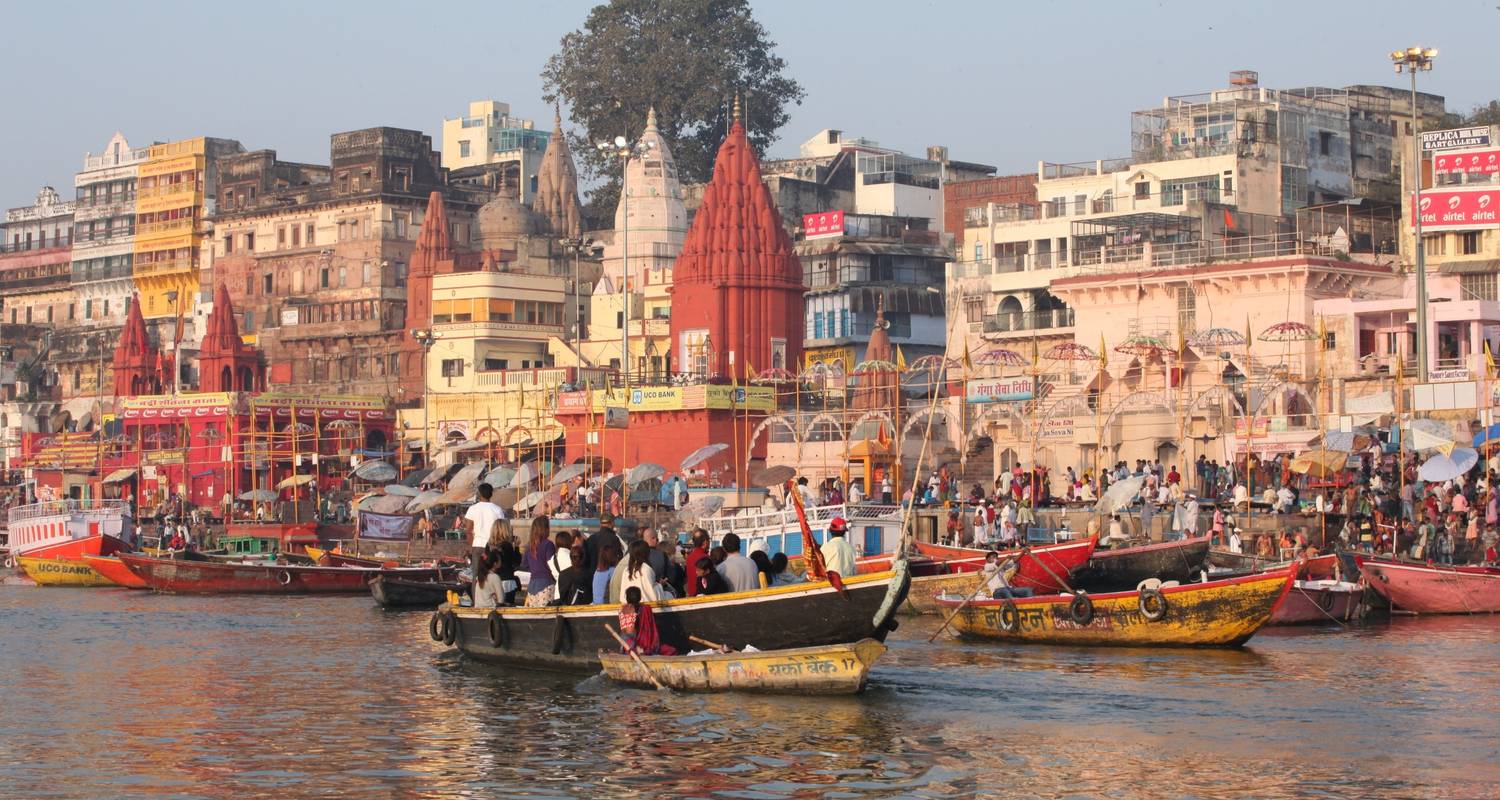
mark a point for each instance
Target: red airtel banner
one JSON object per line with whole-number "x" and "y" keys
{"x": 1467, "y": 162}
{"x": 827, "y": 223}
{"x": 1453, "y": 210}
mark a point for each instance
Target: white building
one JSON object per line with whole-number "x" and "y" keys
{"x": 104, "y": 230}
{"x": 488, "y": 134}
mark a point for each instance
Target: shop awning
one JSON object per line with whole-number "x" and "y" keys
{"x": 120, "y": 475}
{"x": 1480, "y": 266}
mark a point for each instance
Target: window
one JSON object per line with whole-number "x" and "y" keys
{"x": 250, "y": 242}
{"x": 249, "y": 285}
{"x": 492, "y": 364}
{"x": 88, "y": 309}
{"x": 453, "y": 367}
{"x": 1228, "y": 184}
{"x": 1187, "y": 311}
{"x": 311, "y": 239}
{"x": 343, "y": 277}
{"x": 1325, "y": 143}
{"x": 296, "y": 236}
{"x": 106, "y": 306}
{"x": 323, "y": 278}
{"x": 228, "y": 244}
{"x": 1330, "y": 341}
{"x": 979, "y": 251}
{"x": 1468, "y": 243}
{"x": 280, "y": 236}
{"x": 463, "y": 148}
{"x": 268, "y": 284}
{"x": 1435, "y": 244}
{"x": 366, "y": 274}
{"x": 1080, "y": 203}
{"x": 1479, "y": 287}
{"x": 1143, "y": 190}
{"x": 1187, "y": 190}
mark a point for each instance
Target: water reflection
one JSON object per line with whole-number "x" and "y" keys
{"x": 112, "y": 693}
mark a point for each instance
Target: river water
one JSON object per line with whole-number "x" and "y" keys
{"x": 112, "y": 693}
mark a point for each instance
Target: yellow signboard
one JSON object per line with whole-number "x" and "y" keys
{"x": 829, "y": 355}
{"x": 170, "y": 165}
{"x": 203, "y": 400}
{"x": 674, "y": 398}
{"x": 353, "y": 402}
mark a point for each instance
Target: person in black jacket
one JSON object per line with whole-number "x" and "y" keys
{"x": 605, "y": 534}
{"x": 574, "y": 584}
{"x": 708, "y": 580}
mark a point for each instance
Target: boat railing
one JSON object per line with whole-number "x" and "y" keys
{"x": 818, "y": 517}
{"x": 58, "y": 508}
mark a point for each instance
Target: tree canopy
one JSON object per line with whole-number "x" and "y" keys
{"x": 1483, "y": 114}
{"x": 688, "y": 58}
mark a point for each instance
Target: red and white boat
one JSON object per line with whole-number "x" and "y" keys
{"x": 1318, "y": 601}
{"x": 70, "y": 529}
{"x": 1433, "y": 588}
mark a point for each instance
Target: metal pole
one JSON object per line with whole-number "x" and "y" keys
{"x": 625, "y": 269}
{"x": 426, "y": 401}
{"x": 1421, "y": 249}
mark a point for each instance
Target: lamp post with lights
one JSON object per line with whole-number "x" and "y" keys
{"x": 1413, "y": 60}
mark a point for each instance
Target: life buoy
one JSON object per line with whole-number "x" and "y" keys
{"x": 450, "y": 628}
{"x": 1010, "y": 616}
{"x": 1081, "y": 609}
{"x": 435, "y": 626}
{"x": 284, "y": 578}
{"x": 1324, "y": 600}
{"x": 1153, "y": 604}
{"x": 559, "y": 634}
{"x": 496, "y": 629}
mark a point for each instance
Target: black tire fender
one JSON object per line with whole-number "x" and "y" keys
{"x": 559, "y": 634}
{"x": 1325, "y": 600}
{"x": 1081, "y": 609}
{"x": 450, "y": 628}
{"x": 1010, "y": 616}
{"x": 496, "y": 629}
{"x": 435, "y": 626}
{"x": 1153, "y": 604}
{"x": 284, "y": 577}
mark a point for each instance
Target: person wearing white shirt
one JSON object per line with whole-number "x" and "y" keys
{"x": 856, "y": 494}
{"x": 1284, "y": 500}
{"x": 838, "y": 554}
{"x": 479, "y": 522}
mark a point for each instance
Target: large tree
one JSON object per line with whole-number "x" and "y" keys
{"x": 687, "y": 58}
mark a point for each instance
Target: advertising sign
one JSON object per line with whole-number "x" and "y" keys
{"x": 1057, "y": 428}
{"x": 1459, "y": 209}
{"x": 616, "y": 417}
{"x": 999, "y": 390}
{"x": 1467, "y": 162}
{"x": 1456, "y": 139}
{"x": 827, "y": 223}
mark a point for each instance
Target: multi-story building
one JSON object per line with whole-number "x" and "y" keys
{"x": 489, "y": 135}
{"x": 34, "y": 257}
{"x": 175, "y": 187}
{"x": 315, "y": 258}
{"x": 104, "y": 231}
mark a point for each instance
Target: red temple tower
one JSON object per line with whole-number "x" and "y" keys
{"x": 737, "y": 285}
{"x": 434, "y": 246}
{"x": 225, "y": 362}
{"x": 139, "y": 366}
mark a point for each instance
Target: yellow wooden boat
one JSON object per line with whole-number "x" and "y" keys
{"x": 62, "y": 572}
{"x": 830, "y": 669}
{"x": 925, "y": 589}
{"x": 1223, "y": 613}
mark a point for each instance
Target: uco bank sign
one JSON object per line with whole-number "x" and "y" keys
{"x": 1460, "y": 209}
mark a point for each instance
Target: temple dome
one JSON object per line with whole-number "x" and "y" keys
{"x": 503, "y": 220}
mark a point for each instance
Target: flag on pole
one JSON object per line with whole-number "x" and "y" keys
{"x": 1103, "y": 353}
{"x": 900, "y": 358}
{"x": 1248, "y": 337}
{"x": 968, "y": 361}
{"x": 1489, "y": 360}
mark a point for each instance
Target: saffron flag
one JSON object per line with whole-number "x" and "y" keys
{"x": 1103, "y": 353}
{"x": 900, "y": 358}
{"x": 1489, "y": 360}
{"x": 968, "y": 361}
{"x": 811, "y": 555}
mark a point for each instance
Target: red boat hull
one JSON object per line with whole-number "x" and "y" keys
{"x": 1433, "y": 588}
{"x": 116, "y": 571}
{"x": 205, "y": 577}
{"x": 1043, "y": 569}
{"x": 1311, "y": 602}
{"x": 76, "y": 549}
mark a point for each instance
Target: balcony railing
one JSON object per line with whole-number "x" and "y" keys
{"x": 183, "y": 264}
{"x": 179, "y": 225}
{"x": 1112, "y": 258}
{"x": 1028, "y": 321}
{"x": 654, "y": 326}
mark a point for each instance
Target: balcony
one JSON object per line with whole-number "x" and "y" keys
{"x": 494, "y": 329}
{"x": 182, "y": 264}
{"x": 179, "y": 225}
{"x": 652, "y": 326}
{"x": 1028, "y": 321}
{"x": 1004, "y": 264}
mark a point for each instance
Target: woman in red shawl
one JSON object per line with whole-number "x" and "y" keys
{"x": 638, "y": 627}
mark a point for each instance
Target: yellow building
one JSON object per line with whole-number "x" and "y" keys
{"x": 170, "y": 221}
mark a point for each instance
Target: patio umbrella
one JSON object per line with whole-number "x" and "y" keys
{"x": 774, "y": 375}
{"x": 342, "y": 424}
{"x": 1288, "y": 332}
{"x": 1427, "y": 434}
{"x": 529, "y": 501}
{"x": 1347, "y": 441}
{"x": 524, "y": 475}
{"x": 1001, "y": 357}
{"x": 297, "y": 427}
{"x": 568, "y": 473}
{"x": 1441, "y": 467}
{"x": 703, "y": 454}
{"x": 702, "y": 506}
{"x": 375, "y": 471}
{"x": 1217, "y": 337}
{"x": 1319, "y": 463}
{"x": 398, "y": 490}
{"x": 385, "y": 503}
{"x": 641, "y": 473}
{"x": 1119, "y": 495}
{"x": 295, "y": 480}
{"x": 468, "y": 477}
{"x": 773, "y": 476}
{"x": 423, "y": 501}
{"x": 500, "y": 477}
{"x": 466, "y": 445}
{"x": 1488, "y": 435}
{"x": 1142, "y": 346}
{"x": 415, "y": 477}
{"x": 1070, "y": 351}
{"x": 259, "y": 496}
{"x": 876, "y": 365}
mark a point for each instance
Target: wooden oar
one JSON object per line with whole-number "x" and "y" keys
{"x": 636, "y": 657}
{"x": 1027, "y": 552}
{"x": 722, "y": 648}
{"x": 969, "y": 595}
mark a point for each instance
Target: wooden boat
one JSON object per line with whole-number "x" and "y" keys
{"x": 115, "y": 571}
{"x": 392, "y": 592}
{"x": 1123, "y": 568}
{"x": 1433, "y": 588}
{"x": 209, "y": 577}
{"x": 781, "y": 617}
{"x": 1312, "y": 601}
{"x": 1223, "y": 613}
{"x": 1060, "y": 560}
{"x": 830, "y": 669}
{"x": 69, "y": 529}
{"x": 61, "y": 572}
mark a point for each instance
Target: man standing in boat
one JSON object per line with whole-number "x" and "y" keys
{"x": 479, "y": 523}
{"x": 838, "y": 554}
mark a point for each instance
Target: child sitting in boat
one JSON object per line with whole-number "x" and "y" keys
{"x": 638, "y": 627}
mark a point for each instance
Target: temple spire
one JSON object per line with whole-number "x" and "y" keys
{"x": 651, "y": 118}
{"x": 557, "y": 206}
{"x": 736, "y": 106}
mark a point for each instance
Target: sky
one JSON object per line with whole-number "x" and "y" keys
{"x": 1000, "y": 83}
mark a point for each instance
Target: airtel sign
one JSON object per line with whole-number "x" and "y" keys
{"x": 1452, "y": 210}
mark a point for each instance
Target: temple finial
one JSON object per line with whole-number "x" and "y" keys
{"x": 736, "y": 106}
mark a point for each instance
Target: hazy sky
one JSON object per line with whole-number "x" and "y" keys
{"x": 1001, "y": 83}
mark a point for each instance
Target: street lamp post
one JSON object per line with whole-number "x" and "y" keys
{"x": 427, "y": 339}
{"x": 176, "y": 367}
{"x": 623, "y": 148}
{"x": 576, "y": 246}
{"x": 1412, "y": 60}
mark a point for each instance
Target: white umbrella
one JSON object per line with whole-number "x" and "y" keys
{"x": 1119, "y": 495}
{"x": 500, "y": 477}
{"x": 568, "y": 473}
{"x": 645, "y": 472}
{"x": 467, "y": 478}
{"x": 295, "y": 480}
{"x": 703, "y": 454}
{"x": 423, "y": 501}
{"x": 385, "y": 503}
{"x": 702, "y": 506}
{"x": 530, "y": 500}
{"x": 375, "y": 471}
{"x": 1441, "y": 467}
{"x": 398, "y": 490}
{"x": 526, "y": 474}
{"x": 259, "y": 496}
{"x": 773, "y": 476}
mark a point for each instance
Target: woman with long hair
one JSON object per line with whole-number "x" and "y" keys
{"x": 489, "y": 590}
{"x": 507, "y": 559}
{"x": 638, "y": 572}
{"x": 539, "y": 551}
{"x": 638, "y": 626}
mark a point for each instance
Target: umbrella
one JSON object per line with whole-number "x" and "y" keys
{"x": 259, "y": 496}
{"x": 773, "y": 476}
{"x": 467, "y": 445}
{"x": 468, "y": 477}
{"x": 398, "y": 490}
{"x": 1319, "y": 463}
{"x": 342, "y": 424}
{"x": 375, "y": 471}
{"x": 774, "y": 375}
{"x": 1001, "y": 357}
{"x": 295, "y": 480}
{"x": 875, "y": 365}
{"x": 611, "y": 483}
{"x": 1119, "y": 495}
{"x": 1070, "y": 351}
{"x": 1288, "y": 332}
{"x": 1441, "y": 467}
{"x": 1142, "y": 346}
{"x": 932, "y": 363}
{"x": 526, "y": 474}
{"x": 530, "y": 500}
{"x": 297, "y": 427}
{"x": 1427, "y": 434}
{"x": 385, "y": 504}
{"x": 1487, "y": 435}
{"x": 641, "y": 473}
{"x": 500, "y": 477}
{"x": 415, "y": 477}
{"x": 568, "y": 473}
{"x": 703, "y": 454}
{"x": 701, "y": 506}
{"x": 423, "y": 501}
{"x": 1347, "y": 441}
{"x": 1217, "y": 337}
